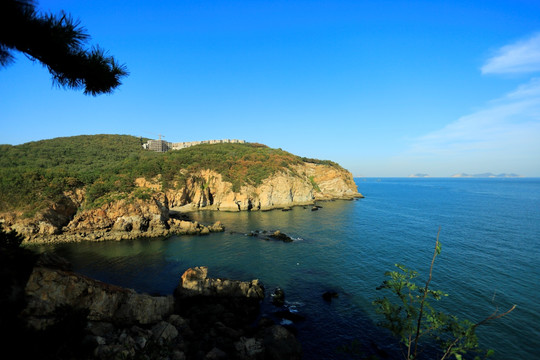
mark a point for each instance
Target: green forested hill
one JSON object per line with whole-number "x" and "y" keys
{"x": 35, "y": 173}
{"x": 77, "y": 153}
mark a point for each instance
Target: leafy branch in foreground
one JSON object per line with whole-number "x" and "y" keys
{"x": 415, "y": 321}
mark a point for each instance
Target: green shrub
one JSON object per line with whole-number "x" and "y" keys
{"x": 143, "y": 193}
{"x": 314, "y": 184}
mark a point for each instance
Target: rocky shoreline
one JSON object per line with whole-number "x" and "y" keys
{"x": 153, "y": 211}
{"x": 205, "y": 318}
{"x": 179, "y": 228}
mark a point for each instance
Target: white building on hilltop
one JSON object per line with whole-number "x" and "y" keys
{"x": 163, "y": 146}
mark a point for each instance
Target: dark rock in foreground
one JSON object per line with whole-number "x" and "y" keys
{"x": 205, "y": 319}
{"x": 48, "y": 289}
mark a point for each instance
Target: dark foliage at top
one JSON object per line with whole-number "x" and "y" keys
{"x": 56, "y": 42}
{"x": 36, "y": 173}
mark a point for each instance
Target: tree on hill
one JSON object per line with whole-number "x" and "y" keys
{"x": 56, "y": 41}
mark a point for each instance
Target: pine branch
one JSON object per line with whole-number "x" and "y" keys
{"x": 57, "y": 42}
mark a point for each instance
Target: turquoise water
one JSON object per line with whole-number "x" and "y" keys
{"x": 490, "y": 231}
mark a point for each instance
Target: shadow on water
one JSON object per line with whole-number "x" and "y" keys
{"x": 139, "y": 264}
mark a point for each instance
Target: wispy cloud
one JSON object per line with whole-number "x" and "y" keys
{"x": 505, "y": 134}
{"x": 520, "y": 57}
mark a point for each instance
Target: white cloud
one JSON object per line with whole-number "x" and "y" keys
{"x": 504, "y": 135}
{"x": 520, "y": 57}
{"x": 529, "y": 90}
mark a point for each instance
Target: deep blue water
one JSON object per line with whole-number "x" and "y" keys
{"x": 490, "y": 235}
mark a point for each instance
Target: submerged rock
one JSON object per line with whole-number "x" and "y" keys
{"x": 278, "y": 235}
{"x": 329, "y": 295}
{"x": 278, "y": 297}
{"x": 268, "y": 235}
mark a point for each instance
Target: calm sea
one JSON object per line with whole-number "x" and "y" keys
{"x": 490, "y": 235}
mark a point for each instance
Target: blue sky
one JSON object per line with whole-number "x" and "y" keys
{"x": 385, "y": 88}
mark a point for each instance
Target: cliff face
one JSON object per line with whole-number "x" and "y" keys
{"x": 302, "y": 184}
{"x": 135, "y": 216}
{"x": 122, "y": 219}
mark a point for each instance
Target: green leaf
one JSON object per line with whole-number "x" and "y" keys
{"x": 438, "y": 248}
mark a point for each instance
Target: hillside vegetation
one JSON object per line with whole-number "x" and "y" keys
{"x": 34, "y": 174}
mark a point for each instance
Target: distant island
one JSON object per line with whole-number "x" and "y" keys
{"x": 464, "y": 175}
{"x": 485, "y": 175}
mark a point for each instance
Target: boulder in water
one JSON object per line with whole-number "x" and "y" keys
{"x": 278, "y": 297}
{"x": 278, "y": 235}
{"x": 195, "y": 282}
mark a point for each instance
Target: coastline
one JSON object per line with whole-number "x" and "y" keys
{"x": 150, "y": 219}
{"x": 189, "y": 208}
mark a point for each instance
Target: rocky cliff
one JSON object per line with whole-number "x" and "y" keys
{"x": 302, "y": 184}
{"x": 151, "y": 210}
{"x": 122, "y": 219}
